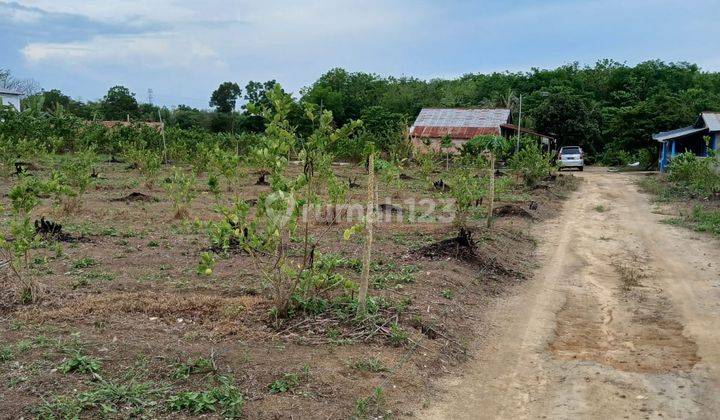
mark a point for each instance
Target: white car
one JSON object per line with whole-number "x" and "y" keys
{"x": 571, "y": 157}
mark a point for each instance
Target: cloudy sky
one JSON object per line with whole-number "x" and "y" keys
{"x": 183, "y": 49}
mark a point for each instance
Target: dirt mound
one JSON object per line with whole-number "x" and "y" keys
{"x": 136, "y": 197}
{"x": 512, "y": 210}
{"x": 389, "y": 208}
{"x": 499, "y": 256}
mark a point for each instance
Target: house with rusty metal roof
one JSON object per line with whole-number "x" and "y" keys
{"x": 690, "y": 139}
{"x": 459, "y": 124}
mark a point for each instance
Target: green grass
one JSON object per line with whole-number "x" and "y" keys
{"x": 701, "y": 219}
{"x": 6, "y": 354}
{"x": 192, "y": 366}
{"x": 373, "y": 406}
{"x": 663, "y": 190}
{"x": 107, "y": 398}
{"x": 704, "y": 220}
{"x": 84, "y": 262}
{"x": 225, "y": 396}
{"x": 369, "y": 364}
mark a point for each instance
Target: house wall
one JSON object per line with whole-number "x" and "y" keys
{"x": 13, "y": 100}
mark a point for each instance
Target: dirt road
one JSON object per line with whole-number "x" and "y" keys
{"x": 622, "y": 320}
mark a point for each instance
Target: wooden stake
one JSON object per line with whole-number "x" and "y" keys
{"x": 162, "y": 132}
{"x": 491, "y": 188}
{"x": 369, "y": 215}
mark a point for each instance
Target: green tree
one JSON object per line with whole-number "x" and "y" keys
{"x": 118, "y": 104}
{"x": 256, "y": 93}
{"x": 223, "y": 99}
{"x": 574, "y": 119}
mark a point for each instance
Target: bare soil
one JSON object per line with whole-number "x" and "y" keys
{"x": 127, "y": 292}
{"x": 619, "y": 321}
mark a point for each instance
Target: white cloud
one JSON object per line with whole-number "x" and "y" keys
{"x": 216, "y": 31}
{"x": 157, "y": 50}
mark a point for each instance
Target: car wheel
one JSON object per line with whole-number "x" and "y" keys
{"x": 580, "y": 168}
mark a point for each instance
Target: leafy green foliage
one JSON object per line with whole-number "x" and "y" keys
{"x": 531, "y": 164}
{"x": 286, "y": 383}
{"x": 705, "y": 220}
{"x": 181, "y": 189}
{"x": 225, "y": 97}
{"x": 80, "y": 363}
{"x": 109, "y": 398}
{"x": 118, "y": 104}
{"x": 398, "y": 337}
{"x": 206, "y": 264}
{"x": 84, "y": 262}
{"x": 496, "y": 144}
{"x": 192, "y": 366}
{"x": 371, "y": 407}
{"x": 699, "y": 175}
{"x": 74, "y": 178}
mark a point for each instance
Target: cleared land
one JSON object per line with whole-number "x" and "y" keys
{"x": 121, "y": 290}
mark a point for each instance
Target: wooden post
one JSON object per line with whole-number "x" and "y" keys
{"x": 491, "y": 190}
{"x": 369, "y": 216}
{"x": 162, "y": 132}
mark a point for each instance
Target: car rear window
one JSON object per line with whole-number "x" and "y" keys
{"x": 570, "y": 150}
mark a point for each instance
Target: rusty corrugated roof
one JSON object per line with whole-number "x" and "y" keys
{"x": 458, "y": 123}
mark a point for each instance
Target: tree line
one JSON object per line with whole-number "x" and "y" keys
{"x": 609, "y": 108}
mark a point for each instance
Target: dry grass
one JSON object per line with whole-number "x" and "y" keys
{"x": 196, "y": 306}
{"x": 630, "y": 274}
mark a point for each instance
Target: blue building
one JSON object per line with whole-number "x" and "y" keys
{"x": 690, "y": 139}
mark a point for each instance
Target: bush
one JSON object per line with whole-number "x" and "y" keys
{"x": 531, "y": 164}
{"x": 478, "y": 144}
{"x": 699, "y": 175}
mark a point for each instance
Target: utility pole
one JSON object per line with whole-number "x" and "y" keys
{"x": 517, "y": 142}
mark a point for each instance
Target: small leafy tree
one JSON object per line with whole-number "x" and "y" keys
{"x": 149, "y": 165}
{"x": 227, "y": 165}
{"x": 279, "y": 210}
{"x": 181, "y": 189}
{"x": 390, "y": 176}
{"x": 445, "y": 145}
{"x": 427, "y": 166}
{"x": 24, "y": 198}
{"x": 74, "y": 178}
{"x": 465, "y": 189}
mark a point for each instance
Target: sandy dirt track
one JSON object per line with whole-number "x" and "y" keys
{"x": 622, "y": 320}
